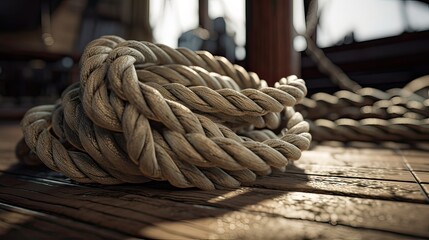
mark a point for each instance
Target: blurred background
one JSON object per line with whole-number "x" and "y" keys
{"x": 378, "y": 43}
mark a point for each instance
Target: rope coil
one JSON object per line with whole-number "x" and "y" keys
{"x": 369, "y": 114}
{"x": 145, "y": 111}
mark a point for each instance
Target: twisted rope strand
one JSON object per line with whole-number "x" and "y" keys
{"x": 145, "y": 111}
{"x": 370, "y": 115}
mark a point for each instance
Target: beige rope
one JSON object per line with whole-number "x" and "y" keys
{"x": 370, "y": 114}
{"x": 145, "y": 111}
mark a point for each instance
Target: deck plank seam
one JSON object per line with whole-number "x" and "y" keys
{"x": 337, "y": 193}
{"x": 361, "y": 167}
{"x": 351, "y": 177}
{"x": 408, "y": 166}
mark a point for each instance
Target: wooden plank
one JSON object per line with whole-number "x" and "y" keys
{"x": 351, "y": 157}
{"x": 106, "y": 211}
{"x": 11, "y": 228}
{"x": 260, "y": 214}
{"x": 19, "y": 223}
{"x": 355, "y": 187}
{"x": 426, "y": 188}
{"x": 422, "y": 177}
{"x": 418, "y": 160}
{"x": 363, "y": 213}
{"x": 351, "y": 172}
{"x": 155, "y": 205}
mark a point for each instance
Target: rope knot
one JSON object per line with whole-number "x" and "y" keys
{"x": 145, "y": 111}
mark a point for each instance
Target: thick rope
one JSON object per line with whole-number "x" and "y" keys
{"x": 145, "y": 111}
{"x": 370, "y": 115}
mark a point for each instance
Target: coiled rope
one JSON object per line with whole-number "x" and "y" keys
{"x": 145, "y": 111}
{"x": 400, "y": 115}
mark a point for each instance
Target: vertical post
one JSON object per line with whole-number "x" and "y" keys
{"x": 270, "y": 34}
{"x": 203, "y": 14}
{"x": 135, "y": 16}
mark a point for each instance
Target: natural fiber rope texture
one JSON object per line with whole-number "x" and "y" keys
{"x": 400, "y": 115}
{"x": 145, "y": 111}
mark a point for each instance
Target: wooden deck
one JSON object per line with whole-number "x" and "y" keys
{"x": 331, "y": 193}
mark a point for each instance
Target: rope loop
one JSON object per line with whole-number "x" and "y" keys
{"x": 398, "y": 115}
{"x": 145, "y": 111}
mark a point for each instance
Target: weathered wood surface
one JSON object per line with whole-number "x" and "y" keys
{"x": 331, "y": 193}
